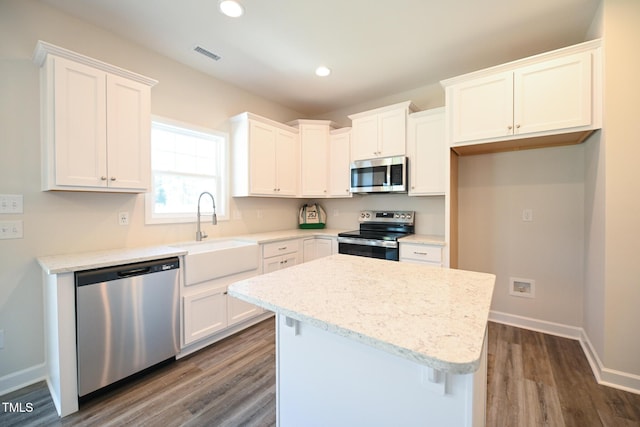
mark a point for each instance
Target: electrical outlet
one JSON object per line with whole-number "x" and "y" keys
{"x": 11, "y": 229}
{"x": 123, "y": 218}
{"x": 259, "y": 214}
{"x": 527, "y": 215}
{"x": 1, "y": 339}
{"x": 522, "y": 287}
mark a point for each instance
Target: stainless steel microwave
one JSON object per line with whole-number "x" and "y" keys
{"x": 383, "y": 175}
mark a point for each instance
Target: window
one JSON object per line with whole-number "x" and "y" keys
{"x": 185, "y": 161}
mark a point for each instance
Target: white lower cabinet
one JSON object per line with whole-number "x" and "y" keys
{"x": 239, "y": 311}
{"x": 205, "y": 313}
{"x": 318, "y": 247}
{"x": 421, "y": 253}
{"x": 209, "y": 313}
{"x": 279, "y": 255}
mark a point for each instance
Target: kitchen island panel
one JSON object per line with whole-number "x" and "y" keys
{"x": 327, "y": 379}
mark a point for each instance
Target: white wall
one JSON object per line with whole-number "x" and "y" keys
{"x": 493, "y": 190}
{"x": 621, "y": 149}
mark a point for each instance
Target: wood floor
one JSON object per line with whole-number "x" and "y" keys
{"x": 534, "y": 380}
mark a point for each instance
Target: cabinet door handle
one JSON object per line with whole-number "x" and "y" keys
{"x": 103, "y": 178}
{"x": 113, "y": 178}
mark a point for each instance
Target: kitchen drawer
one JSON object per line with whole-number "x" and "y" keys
{"x": 423, "y": 253}
{"x": 280, "y": 248}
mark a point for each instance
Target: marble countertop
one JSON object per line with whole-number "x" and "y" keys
{"x": 65, "y": 263}
{"x": 424, "y": 239}
{"x": 68, "y": 263}
{"x": 431, "y": 315}
{"x": 296, "y": 233}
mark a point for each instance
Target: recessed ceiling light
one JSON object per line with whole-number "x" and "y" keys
{"x": 231, "y": 8}
{"x": 322, "y": 71}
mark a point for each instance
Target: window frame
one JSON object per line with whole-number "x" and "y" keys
{"x": 222, "y": 201}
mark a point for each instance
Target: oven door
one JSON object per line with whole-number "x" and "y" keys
{"x": 369, "y": 248}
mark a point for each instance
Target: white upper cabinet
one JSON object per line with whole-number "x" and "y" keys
{"x": 96, "y": 124}
{"x": 428, "y": 153}
{"x": 314, "y": 156}
{"x": 339, "y": 160}
{"x": 381, "y": 132}
{"x": 514, "y": 105}
{"x": 266, "y": 157}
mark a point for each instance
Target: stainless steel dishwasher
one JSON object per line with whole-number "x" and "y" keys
{"x": 126, "y": 320}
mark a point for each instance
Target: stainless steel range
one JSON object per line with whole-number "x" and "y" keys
{"x": 378, "y": 234}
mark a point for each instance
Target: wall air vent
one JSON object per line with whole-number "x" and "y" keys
{"x": 205, "y": 52}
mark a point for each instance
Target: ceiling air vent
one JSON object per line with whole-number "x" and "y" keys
{"x": 205, "y": 52}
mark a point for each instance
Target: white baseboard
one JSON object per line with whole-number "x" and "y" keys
{"x": 26, "y": 377}
{"x": 604, "y": 376}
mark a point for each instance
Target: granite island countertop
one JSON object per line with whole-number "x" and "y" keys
{"x": 430, "y": 315}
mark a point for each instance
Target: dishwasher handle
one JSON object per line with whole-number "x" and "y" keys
{"x": 133, "y": 272}
{"x": 106, "y": 274}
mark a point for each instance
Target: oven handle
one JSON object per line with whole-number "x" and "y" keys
{"x": 368, "y": 242}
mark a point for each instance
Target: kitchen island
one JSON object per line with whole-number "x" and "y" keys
{"x": 362, "y": 341}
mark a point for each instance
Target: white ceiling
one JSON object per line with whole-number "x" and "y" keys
{"x": 375, "y": 48}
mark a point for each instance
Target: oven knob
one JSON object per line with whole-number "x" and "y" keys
{"x": 408, "y": 216}
{"x": 397, "y": 215}
{"x": 402, "y": 216}
{"x": 361, "y": 214}
{"x": 368, "y": 215}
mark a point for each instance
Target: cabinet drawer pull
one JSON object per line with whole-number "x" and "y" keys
{"x": 420, "y": 253}
{"x": 282, "y": 248}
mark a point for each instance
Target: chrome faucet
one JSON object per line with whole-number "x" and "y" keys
{"x": 214, "y": 219}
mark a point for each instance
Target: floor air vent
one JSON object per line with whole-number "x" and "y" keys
{"x": 205, "y": 52}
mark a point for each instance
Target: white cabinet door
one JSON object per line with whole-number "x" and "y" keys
{"x": 317, "y": 247}
{"x": 339, "y": 160}
{"x": 128, "y": 133}
{"x": 204, "y": 313}
{"x": 314, "y": 146}
{"x": 428, "y": 153}
{"x": 79, "y": 116}
{"x": 364, "y": 143}
{"x": 262, "y": 158}
{"x": 309, "y": 249}
{"x": 554, "y": 94}
{"x": 324, "y": 247}
{"x": 278, "y": 263}
{"x": 381, "y": 132}
{"x": 287, "y": 163}
{"x": 239, "y": 310}
{"x": 392, "y": 131}
{"x": 482, "y": 108}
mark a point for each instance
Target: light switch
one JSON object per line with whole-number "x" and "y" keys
{"x": 11, "y": 229}
{"x": 11, "y": 204}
